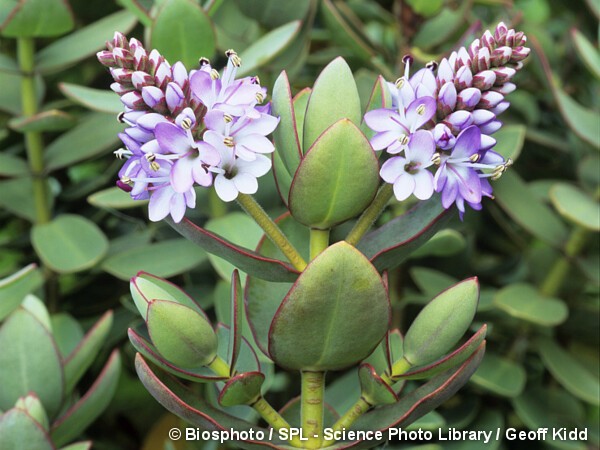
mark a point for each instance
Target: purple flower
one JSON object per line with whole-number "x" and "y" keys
{"x": 165, "y": 200}
{"x": 408, "y": 174}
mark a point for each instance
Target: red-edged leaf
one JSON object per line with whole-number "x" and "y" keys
{"x": 391, "y": 244}
{"x": 243, "y": 389}
{"x": 373, "y": 388}
{"x": 79, "y": 416}
{"x": 246, "y": 260}
{"x": 237, "y": 317}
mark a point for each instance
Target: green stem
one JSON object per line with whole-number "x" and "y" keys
{"x": 346, "y": 421}
{"x": 220, "y": 367}
{"x": 370, "y": 215}
{"x": 33, "y": 139}
{"x": 319, "y": 241}
{"x": 271, "y": 229}
{"x": 273, "y": 418}
{"x": 559, "y": 271}
{"x": 401, "y": 366}
{"x": 312, "y": 406}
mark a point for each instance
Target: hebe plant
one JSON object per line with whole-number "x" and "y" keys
{"x": 316, "y": 294}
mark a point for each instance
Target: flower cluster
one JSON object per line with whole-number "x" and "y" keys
{"x": 186, "y": 129}
{"x": 443, "y": 116}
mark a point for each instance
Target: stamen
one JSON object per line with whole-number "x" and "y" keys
{"x": 214, "y": 74}
{"x": 400, "y": 82}
{"x": 256, "y": 80}
{"x": 228, "y": 141}
{"x": 127, "y": 181}
{"x": 121, "y": 117}
{"x": 432, "y": 65}
{"x": 260, "y": 97}
{"x": 186, "y": 123}
{"x": 122, "y": 153}
{"x": 436, "y": 159}
{"x": 227, "y": 118}
{"x": 235, "y": 59}
{"x": 203, "y": 61}
{"x": 421, "y": 109}
{"x": 403, "y": 139}
{"x": 150, "y": 157}
{"x": 407, "y": 60}
{"x": 474, "y": 157}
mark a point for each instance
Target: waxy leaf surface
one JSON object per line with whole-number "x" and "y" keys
{"x": 241, "y": 389}
{"x": 18, "y": 431}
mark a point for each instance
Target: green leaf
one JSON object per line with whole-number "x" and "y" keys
{"x": 69, "y": 243}
{"x": 164, "y": 259}
{"x": 524, "y": 302}
{"x": 95, "y": 99}
{"x": 238, "y": 228}
{"x": 576, "y": 206}
{"x": 430, "y": 281}
{"x": 440, "y": 325}
{"x": 272, "y": 13}
{"x": 114, "y": 198}
{"x": 333, "y": 97}
{"x": 300, "y": 102}
{"x": 38, "y": 309}
{"x": 244, "y": 259}
{"x": 29, "y": 362}
{"x": 241, "y": 389}
{"x": 325, "y": 191}
{"x": 17, "y": 197}
{"x": 323, "y": 312}
{"x": 52, "y": 120}
{"x": 11, "y": 166}
{"x": 94, "y": 135}
{"x": 517, "y": 199}
{"x": 93, "y": 403}
{"x": 569, "y": 372}
{"x": 264, "y": 297}
{"x": 288, "y": 151}
{"x": 66, "y": 332}
{"x": 581, "y": 120}
{"x": 18, "y": 431}
{"x": 373, "y": 389}
{"x": 268, "y": 47}
{"x": 183, "y": 32}
{"x": 180, "y": 334}
{"x": 389, "y": 245}
{"x": 346, "y": 29}
{"x": 14, "y": 288}
{"x": 510, "y": 140}
{"x": 446, "y": 242}
{"x": 31, "y": 405}
{"x": 82, "y": 357}
{"x": 84, "y": 445}
{"x": 10, "y": 94}
{"x": 500, "y": 376}
{"x": 426, "y": 8}
{"x": 438, "y": 29}
{"x": 587, "y": 52}
{"x": 82, "y": 43}
{"x": 237, "y": 320}
{"x": 38, "y": 18}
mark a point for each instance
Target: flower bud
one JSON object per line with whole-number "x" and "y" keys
{"x": 487, "y": 142}
{"x": 155, "y": 59}
{"x": 443, "y": 137}
{"x": 463, "y": 57}
{"x": 458, "y": 121}
{"x": 175, "y": 97}
{"x": 506, "y": 88}
{"x": 519, "y": 54}
{"x": 179, "y": 74}
{"x": 154, "y": 97}
{"x": 140, "y": 79}
{"x": 122, "y": 76}
{"x": 119, "y": 41}
{"x": 163, "y": 75}
{"x": 445, "y": 73}
{"x": 500, "y": 33}
{"x": 520, "y": 39}
{"x": 504, "y": 74}
{"x": 474, "y": 48}
{"x": 120, "y": 89}
{"x": 123, "y": 58}
{"x": 510, "y": 38}
{"x": 139, "y": 134}
{"x": 481, "y": 60}
{"x": 490, "y": 99}
{"x": 500, "y": 108}
{"x": 106, "y": 58}
{"x": 452, "y": 60}
{"x": 482, "y": 116}
{"x": 484, "y": 80}
{"x": 140, "y": 59}
{"x": 133, "y": 100}
{"x": 501, "y": 56}
{"x": 463, "y": 79}
{"x": 491, "y": 127}
{"x": 148, "y": 121}
{"x": 487, "y": 40}
{"x": 468, "y": 98}
{"x": 446, "y": 99}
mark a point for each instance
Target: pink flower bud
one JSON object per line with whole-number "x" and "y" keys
{"x": 133, "y": 100}
{"x": 458, "y": 121}
{"x": 120, "y": 89}
{"x": 179, "y": 74}
{"x": 106, "y": 58}
{"x": 154, "y": 97}
{"x": 510, "y": 38}
{"x": 484, "y": 80}
{"x": 482, "y": 116}
{"x": 490, "y": 99}
{"x": 468, "y": 98}
{"x": 487, "y": 40}
{"x": 446, "y": 99}
{"x": 500, "y": 33}
{"x": 444, "y": 72}
{"x": 506, "y": 88}
{"x": 463, "y": 79}
{"x": 519, "y": 54}
{"x": 501, "y": 56}
{"x": 491, "y": 127}
{"x": 500, "y": 108}
{"x": 163, "y": 75}
{"x": 482, "y": 60}
{"x": 155, "y": 59}
{"x": 443, "y": 137}
{"x": 504, "y": 74}
{"x": 487, "y": 142}
{"x": 120, "y": 75}
{"x": 175, "y": 98}
{"x": 140, "y": 79}
{"x": 463, "y": 57}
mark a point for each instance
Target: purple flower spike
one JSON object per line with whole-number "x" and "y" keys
{"x": 408, "y": 174}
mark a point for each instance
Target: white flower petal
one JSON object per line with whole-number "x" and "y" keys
{"x": 225, "y": 188}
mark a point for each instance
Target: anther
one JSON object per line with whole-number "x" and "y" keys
{"x": 403, "y": 139}
{"x": 127, "y": 181}
{"x": 121, "y": 153}
{"x": 407, "y": 59}
{"x": 235, "y": 59}
{"x": 227, "y": 118}
{"x": 474, "y": 157}
{"x": 400, "y": 82}
{"x": 228, "y": 141}
{"x": 256, "y": 80}
{"x": 150, "y": 157}
{"x": 421, "y": 109}
{"x": 121, "y": 117}
{"x": 436, "y": 159}
{"x": 260, "y": 97}
{"x": 203, "y": 61}
{"x": 214, "y": 74}
{"x": 431, "y": 65}
{"x": 186, "y": 123}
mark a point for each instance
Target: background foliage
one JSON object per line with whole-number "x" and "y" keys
{"x": 535, "y": 249}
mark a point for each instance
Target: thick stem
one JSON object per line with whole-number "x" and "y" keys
{"x": 274, "y": 419}
{"x": 33, "y": 139}
{"x": 370, "y": 215}
{"x": 319, "y": 241}
{"x": 559, "y": 271}
{"x": 312, "y": 406}
{"x": 398, "y": 368}
{"x": 272, "y": 230}
{"x": 220, "y": 367}
{"x": 346, "y": 421}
